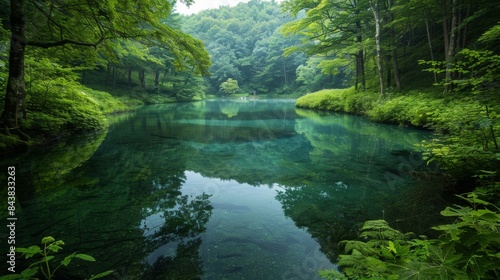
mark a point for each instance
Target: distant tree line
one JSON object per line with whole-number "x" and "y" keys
{"x": 246, "y": 45}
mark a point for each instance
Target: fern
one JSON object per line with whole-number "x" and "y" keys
{"x": 467, "y": 249}
{"x": 380, "y": 230}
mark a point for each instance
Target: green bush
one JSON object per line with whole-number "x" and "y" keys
{"x": 68, "y": 110}
{"x": 11, "y": 142}
{"x": 61, "y": 106}
{"x": 340, "y": 100}
{"x": 467, "y": 249}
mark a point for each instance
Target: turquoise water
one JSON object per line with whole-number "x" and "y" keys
{"x": 219, "y": 190}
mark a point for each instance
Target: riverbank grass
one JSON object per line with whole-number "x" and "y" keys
{"x": 465, "y": 125}
{"x": 418, "y": 108}
{"x": 66, "y": 110}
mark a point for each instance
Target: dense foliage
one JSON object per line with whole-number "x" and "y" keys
{"x": 246, "y": 45}
{"x": 429, "y": 64}
{"x": 378, "y": 43}
{"x": 466, "y": 248}
{"x": 57, "y": 46}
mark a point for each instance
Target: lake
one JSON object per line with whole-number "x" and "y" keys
{"x": 240, "y": 189}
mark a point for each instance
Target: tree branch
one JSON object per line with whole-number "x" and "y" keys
{"x": 47, "y": 45}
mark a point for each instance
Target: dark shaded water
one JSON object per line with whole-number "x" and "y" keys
{"x": 219, "y": 190}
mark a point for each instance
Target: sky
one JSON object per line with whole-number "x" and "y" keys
{"x": 200, "y": 5}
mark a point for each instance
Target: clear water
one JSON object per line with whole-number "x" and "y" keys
{"x": 218, "y": 190}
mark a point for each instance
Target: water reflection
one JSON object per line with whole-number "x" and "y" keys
{"x": 220, "y": 189}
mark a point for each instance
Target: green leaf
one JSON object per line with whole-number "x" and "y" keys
{"x": 48, "y": 239}
{"x": 54, "y": 248}
{"x": 478, "y": 265}
{"x": 67, "y": 259}
{"x": 30, "y": 251}
{"x": 100, "y": 275}
{"x": 456, "y": 211}
{"x": 375, "y": 265}
{"x": 85, "y": 257}
{"x": 30, "y": 272}
{"x": 59, "y": 242}
{"x": 452, "y": 230}
{"x": 402, "y": 250}
{"x": 489, "y": 215}
{"x": 391, "y": 247}
{"x": 386, "y": 253}
{"x": 11, "y": 277}
{"x": 473, "y": 198}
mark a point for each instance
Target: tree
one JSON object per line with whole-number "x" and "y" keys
{"x": 460, "y": 20}
{"x": 376, "y": 14}
{"x": 230, "y": 86}
{"x": 314, "y": 75}
{"x": 332, "y": 27}
{"x": 61, "y": 23}
{"x": 273, "y": 71}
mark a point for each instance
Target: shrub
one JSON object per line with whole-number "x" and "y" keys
{"x": 467, "y": 248}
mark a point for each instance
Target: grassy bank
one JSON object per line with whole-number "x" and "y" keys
{"x": 67, "y": 110}
{"x": 423, "y": 109}
{"x": 466, "y": 139}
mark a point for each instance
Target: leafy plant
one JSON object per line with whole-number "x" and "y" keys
{"x": 44, "y": 265}
{"x": 467, "y": 249}
{"x": 470, "y": 142}
{"x": 230, "y": 86}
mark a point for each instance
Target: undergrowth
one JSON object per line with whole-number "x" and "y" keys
{"x": 466, "y": 248}
{"x": 64, "y": 109}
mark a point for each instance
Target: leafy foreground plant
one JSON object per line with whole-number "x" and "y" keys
{"x": 467, "y": 249}
{"x": 43, "y": 265}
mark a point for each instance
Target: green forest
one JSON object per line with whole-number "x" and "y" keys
{"x": 66, "y": 66}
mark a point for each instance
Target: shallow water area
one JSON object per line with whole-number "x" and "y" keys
{"x": 241, "y": 189}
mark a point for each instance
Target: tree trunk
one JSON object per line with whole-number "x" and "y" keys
{"x": 129, "y": 76}
{"x": 157, "y": 80}
{"x": 360, "y": 61}
{"x": 395, "y": 62}
{"x": 450, "y": 53}
{"x": 108, "y": 71}
{"x": 378, "y": 46}
{"x": 444, "y": 11}
{"x": 388, "y": 75}
{"x": 16, "y": 89}
{"x": 430, "y": 44}
{"x": 115, "y": 74}
{"x": 356, "y": 82}
{"x": 360, "y": 71}
{"x": 284, "y": 69}
{"x": 189, "y": 76}
{"x": 141, "y": 78}
{"x": 397, "y": 74}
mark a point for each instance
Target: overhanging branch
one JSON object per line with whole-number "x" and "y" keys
{"x": 47, "y": 45}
